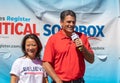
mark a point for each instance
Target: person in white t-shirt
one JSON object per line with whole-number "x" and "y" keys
{"x": 28, "y": 68}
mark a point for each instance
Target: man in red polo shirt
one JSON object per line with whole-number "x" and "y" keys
{"x": 63, "y": 60}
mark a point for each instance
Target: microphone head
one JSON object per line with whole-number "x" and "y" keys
{"x": 74, "y": 36}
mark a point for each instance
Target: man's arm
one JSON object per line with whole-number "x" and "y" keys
{"x": 87, "y": 55}
{"x": 49, "y": 69}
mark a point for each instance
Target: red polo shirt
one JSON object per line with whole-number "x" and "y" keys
{"x": 66, "y": 59}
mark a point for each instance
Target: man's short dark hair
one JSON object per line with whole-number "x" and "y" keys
{"x": 66, "y": 13}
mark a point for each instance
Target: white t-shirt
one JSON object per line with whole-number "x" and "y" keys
{"x": 28, "y": 71}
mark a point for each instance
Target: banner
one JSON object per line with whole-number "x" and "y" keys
{"x": 98, "y": 19}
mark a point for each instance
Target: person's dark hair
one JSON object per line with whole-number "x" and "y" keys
{"x": 32, "y": 36}
{"x": 66, "y": 13}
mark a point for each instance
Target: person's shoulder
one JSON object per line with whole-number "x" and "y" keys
{"x": 38, "y": 61}
{"x": 20, "y": 59}
{"x": 54, "y": 36}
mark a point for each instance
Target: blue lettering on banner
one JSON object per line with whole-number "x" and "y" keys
{"x": 50, "y": 30}
{"x": 91, "y": 30}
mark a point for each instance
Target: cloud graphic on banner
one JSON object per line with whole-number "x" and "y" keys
{"x": 102, "y": 57}
{"x": 5, "y": 54}
{"x": 40, "y": 7}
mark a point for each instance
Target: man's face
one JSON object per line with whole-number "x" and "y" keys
{"x": 68, "y": 24}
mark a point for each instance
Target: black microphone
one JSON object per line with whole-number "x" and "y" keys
{"x": 76, "y": 37}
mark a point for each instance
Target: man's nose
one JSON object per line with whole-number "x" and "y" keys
{"x": 72, "y": 23}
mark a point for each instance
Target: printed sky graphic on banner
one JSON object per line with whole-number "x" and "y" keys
{"x": 98, "y": 19}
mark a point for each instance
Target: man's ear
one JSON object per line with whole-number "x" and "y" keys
{"x": 61, "y": 23}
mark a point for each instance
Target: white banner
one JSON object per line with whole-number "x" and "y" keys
{"x": 98, "y": 19}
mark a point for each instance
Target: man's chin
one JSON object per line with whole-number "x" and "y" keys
{"x": 70, "y": 31}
